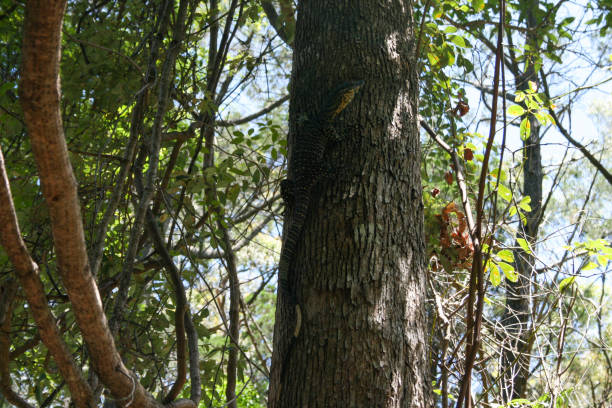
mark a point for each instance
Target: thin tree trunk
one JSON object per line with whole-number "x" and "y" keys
{"x": 517, "y": 346}
{"x": 359, "y": 272}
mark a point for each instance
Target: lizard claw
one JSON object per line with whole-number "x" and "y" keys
{"x": 298, "y": 320}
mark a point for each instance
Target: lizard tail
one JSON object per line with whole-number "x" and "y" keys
{"x": 290, "y": 246}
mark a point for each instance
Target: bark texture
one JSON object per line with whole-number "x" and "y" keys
{"x": 359, "y": 272}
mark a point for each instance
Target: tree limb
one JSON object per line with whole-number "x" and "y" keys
{"x": 277, "y": 22}
{"x": 40, "y": 98}
{"x": 596, "y": 163}
{"x": 29, "y": 278}
{"x": 255, "y": 115}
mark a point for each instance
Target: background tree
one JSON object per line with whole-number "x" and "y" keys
{"x": 551, "y": 41}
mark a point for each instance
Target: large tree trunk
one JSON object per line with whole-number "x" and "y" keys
{"x": 359, "y": 271}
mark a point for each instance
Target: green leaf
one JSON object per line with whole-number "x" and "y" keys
{"x": 516, "y": 110}
{"x": 532, "y": 104}
{"x": 233, "y": 192}
{"x": 602, "y": 259}
{"x": 533, "y": 86}
{"x": 5, "y": 87}
{"x": 524, "y": 245}
{"x": 506, "y": 255}
{"x": 524, "y": 204}
{"x": 433, "y": 59}
{"x": 541, "y": 118}
{"x": 509, "y": 271}
{"x": 548, "y": 118}
{"x": 478, "y": 5}
{"x": 566, "y": 282}
{"x": 538, "y": 98}
{"x": 566, "y": 21}
{"x": 504, "y": 192}
{"x": 459, "y": 41}
{"x": 589, "y": 266}
{"x": 495, "y": 277}
{"x": 520, "y": 401}
{"x": 449, "y": 57}
{"x": 593, "y": 21}
{"x": 256, "y": 176}
{"x": 494, "y": 173}
{"x": 523, "y": 218}
{"x": 525, "y": 129}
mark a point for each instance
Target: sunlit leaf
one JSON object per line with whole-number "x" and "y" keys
{"x": 533, "y": 86}
{"x": 509, "y": 271}
{"x": 525, "y": 129}
{"x": 524, "y": 203}
{"x": 506, "y": 255}
{"x": 523, "y": 244}
{"x": 504, "y": 192}
{"x": 495, "y": 277}
{"x": 516, "y": 110}
{"x": 566, "y": 282}
{"x": 459, "y": 41}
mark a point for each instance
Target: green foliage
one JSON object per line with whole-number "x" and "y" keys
{"x": 106, "y": 52}
{"x": 599, "y": 250}
{"x": 532, "y": 104}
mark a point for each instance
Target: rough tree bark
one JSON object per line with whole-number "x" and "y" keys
{"x": 360, "y": 267}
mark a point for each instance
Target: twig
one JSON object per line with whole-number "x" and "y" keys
{"x": 101, "y": 47}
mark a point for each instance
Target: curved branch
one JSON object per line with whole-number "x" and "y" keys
{"x": 255, "y": 115}
{"x": 181, "y": 308}
{"x": 40, "y": 98}
{"x": 29, "y": 278}
{"x": 217, "y": 253}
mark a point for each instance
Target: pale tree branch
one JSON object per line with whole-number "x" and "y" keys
{"x": 40, "y": 98}
{"x": 28, "y": 274}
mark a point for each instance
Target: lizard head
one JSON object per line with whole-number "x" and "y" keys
{"x": 342, "y": 96}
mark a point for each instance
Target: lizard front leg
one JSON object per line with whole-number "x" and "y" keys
{"x": 287, "y": 190}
